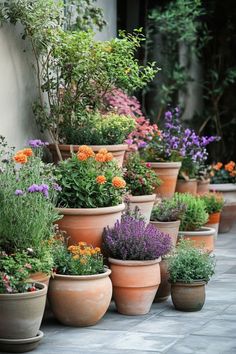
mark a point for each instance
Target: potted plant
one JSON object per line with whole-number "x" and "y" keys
{"x": 214, "y": 203}
{"x": 190, "y": 269}
{"x": 80, "y": 290}
{"x": 141, "y": 182}
{"x": 92, "y": 194}
{"x": 134, "y": 250}
{"x": 193, "y": 220}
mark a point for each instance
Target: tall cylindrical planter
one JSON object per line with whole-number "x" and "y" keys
{"x": 168, "y": 172}
{"x": 118, "y": 151}
{"x": 213, "y": 222}
{"x": 203, "y": 238}
{"x": 203, "y": 186}
{"x": 188, "y": 297}
{"x": 87, "y": 224}
{"x": 144, "y": 203}
{"x": 183, "y": 186}
{"x": 168, "y": 227}
{"x": 134, "y": 285}
{"x": 80, "y": 300}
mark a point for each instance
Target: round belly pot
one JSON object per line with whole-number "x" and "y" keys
{"x": 188, "y": 297}
{"x": 163, "y": 291}
{"x": 213, "y": 222}
{"x": 227, "y": 218}
{"x": 202, "y": 238}
{"x": 144, "y": 203}
{"x": 203, "y": 186}
{"x": 168, "y": 172}
{"x": 80, "y": 300}
{"x": 134, "y": 285}
{"x": 183, "y": 186}
{"x": 21, "y": 314}
{"x": 87, "y": 224}
{"x": 168, "y": 227}
{"x": 118, "y": 151}
{"x": 227, "y": 189}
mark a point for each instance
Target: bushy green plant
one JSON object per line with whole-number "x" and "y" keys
{"x": 188, "y": 263}
{"x": 214, "y": 202}
{"x": 90, "y": 180}
{"x": 195, "y": 215}
{"x": 140, "y": 179}
{"x": 168, "y": 210}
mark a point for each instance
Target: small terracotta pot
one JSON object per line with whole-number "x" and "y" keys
{"x": 163, "y": 291}
{"x": 188, "y": 297}
{"x": 134, "y": 285}
{"x": 227, "y": 218}
{"x": 203, "y": 186}
{"x": 168, "y": 227}
{"x": 40, "y": 277}
{"x": 203, "y": 238}
{"x": 144, "y": 203}
{"x": 183, "y": 186}
{"x": 80, "y": 300}
{"x": 168, "y": 172}
{"x": 88, "y": 224}
{"x": 21, "y": 314}
{"x": 227, "y": 189}
{"x": 118, "y": 151}
{"x": 213, "y": 222}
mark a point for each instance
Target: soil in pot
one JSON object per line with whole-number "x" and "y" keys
{"x": 188, "y": 297}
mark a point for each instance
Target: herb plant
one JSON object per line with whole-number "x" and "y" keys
{"x": 214, "y": 202}
{"x": 168, "y": 210}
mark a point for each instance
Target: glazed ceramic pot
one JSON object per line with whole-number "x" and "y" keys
{"x": 227, "y": 217}
{"x": 213, "y": 222}
{"x": 134, "y": 285}
{"x": 80, "y": 300}
{"x": 21, "y": 314}
{"x": 168, "y": 227}
{"x": 167, "y": 172}
{"x": 227, "y": 189}
{"x": 87, "y": 224}
{"x": 183, "y": 186}
{"x": 203, "y": 186}
{"x": 144, "y": 203}
{"x": 163, "y": 291}
{"x": 118, "y": 151}
{"x": 203, "y": 238}
{"x": 188, "y": 297}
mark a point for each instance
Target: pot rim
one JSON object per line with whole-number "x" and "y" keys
{"x": 223, "y": 187}
{"x": 91, "y": 211}
{"x": 194, "y": 283}
{"x": 176, "y": 165}
{"x": 69, "y": 147}
{"x": 133, "y": 262}
{"x": 203, "y": 231}
{"x": 106, "y": 273}
{"x": 176, "y": 222}
{"x": 18, "y": 296}
{"x": 142, "y": 198}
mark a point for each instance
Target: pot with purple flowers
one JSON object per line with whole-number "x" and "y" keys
{"x": 135, "y": 249}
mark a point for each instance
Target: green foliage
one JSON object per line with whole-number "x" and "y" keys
{"x": 223, "y": 173}
{"x": 188, "y": 263}
{"x": 168, "y": 210}
{"x": 214, "y": 202}
{"x": 140, "y": 179}
{"x": 195, "y": 215}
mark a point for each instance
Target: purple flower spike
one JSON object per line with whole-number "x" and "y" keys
{"x": 43, "y": 188}
{"x": 34, "y": 188}
{"x": 36, "y": 143}
{"x": 56, "y": 187}
{"x": 19, "y": 192}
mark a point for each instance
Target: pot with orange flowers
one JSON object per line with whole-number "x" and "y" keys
{"x": 80, "y": 290}
{"x": 92, "y": 194}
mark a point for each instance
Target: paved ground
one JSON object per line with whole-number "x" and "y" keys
{"x": 163, "y": 330}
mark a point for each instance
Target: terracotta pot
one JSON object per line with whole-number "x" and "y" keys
{"x": 188, "y": 297}
{"x": 87, "y": 224}
{"x": 118, "y": 151}
{"x": 168, "y": 172}
{"x": 227, "y": 218}
{"x": 80, "y": 300}
{"x": 163, "y": 291}
{"x": 227, "y": 189}
{"x": 168, "y": 227}
{"x": 40, "y": 277}
{"x": 183, "y": 186}
{"x": 204, "y": 237}
{"x": 213, "y": 222}
{"x": 21, "y": 314}
{"x": 203, "y": 186}
{"x": 144, "y": 203}
{"x": 134, "y": 285}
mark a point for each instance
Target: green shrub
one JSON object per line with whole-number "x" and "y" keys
{"x": 168, "y": 210}
{"x": 213, "y": 202}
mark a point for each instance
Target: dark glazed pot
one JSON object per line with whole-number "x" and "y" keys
{"x": 188, "y": 297}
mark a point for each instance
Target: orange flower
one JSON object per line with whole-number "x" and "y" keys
{"x": 82, "y": 156}
{"x": 218, "y": 166}
{"x": 101, "y": 179}
{"x": 28, "y": 152}
{"x": 103, "y": 151}
{"x": 118, "y": 182}
{"x": 20, "y": 158}
{"x": 100, "y": 157}
{"x": 86, "y": 150}
{"x": 230, "y": 166}
{"x": 233, "y": 173}
{"x": 97, "y": 249}
{"x": 109, "y": 157}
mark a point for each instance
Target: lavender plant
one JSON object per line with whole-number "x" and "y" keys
{"x": 132, "y": 239}
{"x": 168, "y": 210}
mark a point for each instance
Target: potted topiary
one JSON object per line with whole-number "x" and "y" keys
{"x": 91, "y": 196}
{"x": 190, "y": 268}
{"x": 214, "y": 203}
{"x": 134, "y": 250}
{"x": 141, "y": 182}
{"x": 80, "y": 290}
{"x": 193, "y": 220}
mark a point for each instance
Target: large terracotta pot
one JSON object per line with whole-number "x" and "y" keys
{"x": 204, "y": 238}
{"x": 227, "y": 218}
{"x": 163, "y": 291}
{"x": 80, "y": 300}
{"x": 213, "y": 222}
{"x": 134, "y": 285}
{"x": 188, "y": 297}
{"x": 144, "y": 203}
{"x": 21, "y": 314}
{"x": 118, "y": 151}
{"x": 203, "y": 186}
{"x": 168, "y": 172}
{"x": 183, "y": 186}
{"x": 227, "y": 189}
{"x": 168, "y": 227}
{"x": 88, "y": 224}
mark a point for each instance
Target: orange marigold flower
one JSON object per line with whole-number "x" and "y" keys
{"x": 101, "y": 179}
{"x": 86, "y": 150}
{"x": 76, "y": 257}
{"x": 230, "y": 166}
{"x": 218, "y": 166}
{"x": 28, "y": 152}
{"x": 103, "y": 151}
{"x": 97, "y": 249}
{"x": 118, "y": 182}
{"x": 109, "y": 157}
{"x": 100, "y": 157}
{"x": 82, "y": 156}
{"x": 20, "y": 158}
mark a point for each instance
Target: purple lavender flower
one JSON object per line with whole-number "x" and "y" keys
{"x": 33, "y": 188}
{"x": 43, "y": 188}
{"x": 56, "y": 187}
{"x": 19, "y": 192}
{"x": 142, "y": 144}
{"x": 36, "y": 143}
